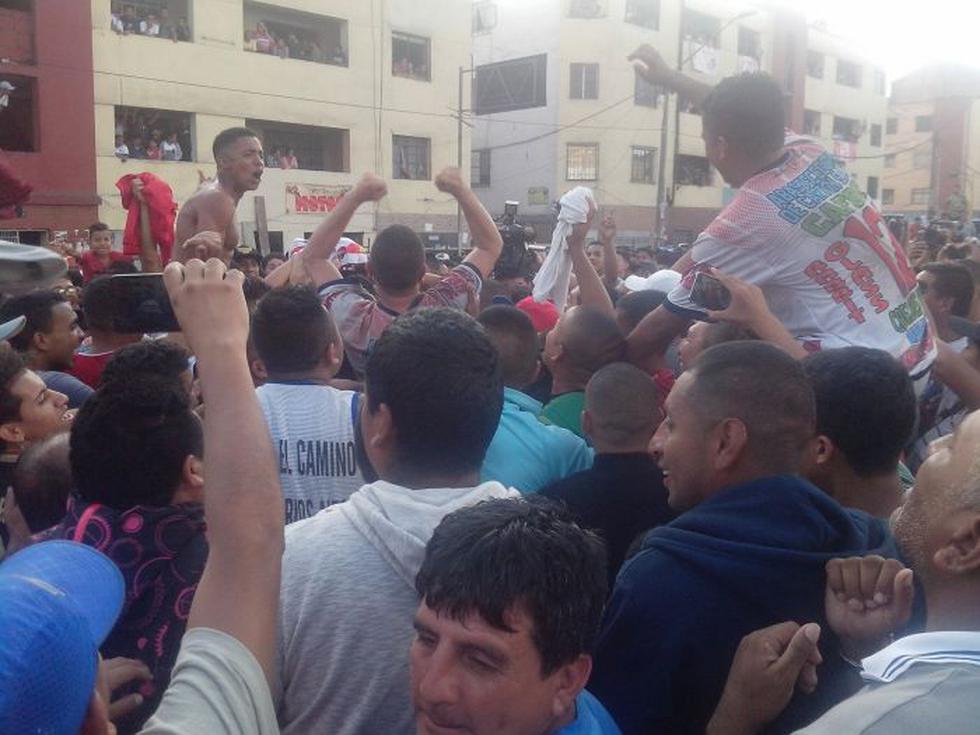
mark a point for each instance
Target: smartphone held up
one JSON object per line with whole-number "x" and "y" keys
{"x": 141, "y": 304}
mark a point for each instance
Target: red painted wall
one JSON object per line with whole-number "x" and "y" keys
{"x": 62, "y": 170}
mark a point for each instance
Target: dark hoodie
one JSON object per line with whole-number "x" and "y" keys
{"x": 161, "y": 552}
{"x": 749, "y": 557}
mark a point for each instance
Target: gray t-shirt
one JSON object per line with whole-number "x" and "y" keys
{"x": 217, "y": 687}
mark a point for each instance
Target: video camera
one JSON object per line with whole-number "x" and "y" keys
{"x": 514, "y": 259}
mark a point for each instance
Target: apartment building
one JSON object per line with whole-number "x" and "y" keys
{"x": 333, "y": 87}
{"x": 932, "y": 139}
{"x": 557, "y": 104}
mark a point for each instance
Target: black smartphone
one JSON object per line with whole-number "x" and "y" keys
{"x": 710, "y": 293}
{"x": 141, "y": 304}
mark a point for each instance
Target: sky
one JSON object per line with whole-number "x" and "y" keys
{"x": 903, "y": 35}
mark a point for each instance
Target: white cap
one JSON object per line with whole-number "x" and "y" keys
{"x": 6, "y": 86}
{"x": 665, "y": 280}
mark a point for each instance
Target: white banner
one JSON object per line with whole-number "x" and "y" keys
{"x": 313, "y": 198}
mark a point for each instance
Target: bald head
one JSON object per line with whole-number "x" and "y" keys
{"x": 42, "y": 481}
{"x": 513, "y": 336}
{"x": 584, "y": 340}
{"x": 622, "y": 409}
{"x": 765, "y": 389}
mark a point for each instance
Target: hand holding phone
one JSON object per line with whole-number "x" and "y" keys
{"x": 141, "y": 304}
{"x": 710, "y": 293}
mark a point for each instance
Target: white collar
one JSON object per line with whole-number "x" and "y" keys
{"x": 939, "y": 647}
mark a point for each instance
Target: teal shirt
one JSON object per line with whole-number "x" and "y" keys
{"x": 566, "y": 411}
{"x": 525, "y": 453}
{"x": 591, "y": 718}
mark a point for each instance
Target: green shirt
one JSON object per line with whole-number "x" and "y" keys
{"x": 566, "y": 411}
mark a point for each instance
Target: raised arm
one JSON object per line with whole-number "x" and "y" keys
{"x": 239, "y": 590}
{"x": 651, "y": 66}
{"x": 610, "y": 263}
{"x": 590, "y": 289}
{"x": 149, "y": 255}
{"x": 316, "y": 254}
{"x": 487, "y": 243}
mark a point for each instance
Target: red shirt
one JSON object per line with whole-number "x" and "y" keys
{"x": 92, "y": 267}
{"x": 88, "y": 366}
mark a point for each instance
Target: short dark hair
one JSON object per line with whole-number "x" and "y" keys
{"x": 623, "y": 403}
{"x": 97, "y": 227}
{"x": 637, "y": 304}
{"x": 397, "y": 258}
{"x": 512, "y": 334}
{"x": 718, "y": 333}
{"x": 591, "y": 338}
{"x": 747, "y": 110}
{"x": 438, "y": 373}
{"x": 11, "y": 367}
{"x": 149, "y": 357}
{"x": 523, "y": 553}
{"x": 241, "y": 256}
{"x": 98, "y": 304}
{"x": 226, "y": 137}
{"x": 767, "y": 390}
{"x": 130, "y": 440}
{"x": 866, "y": 405}
{"x": 953, "y": 281}
{"x": 38, "y": 308}
{"x": 42, "y": 482}
{"x": 291, "y": 330}
{"x": 254, "y": 288}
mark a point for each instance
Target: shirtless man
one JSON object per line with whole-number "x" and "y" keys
{"x": 206, "y": 225}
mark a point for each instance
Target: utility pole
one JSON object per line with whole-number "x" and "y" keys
{"x": 459, "y": 151}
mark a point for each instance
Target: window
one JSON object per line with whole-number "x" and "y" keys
{"x": 480, "y": 168}
{"x": 292, "y": 34}
{"x": 18, "y": 128}
{"x": 700, "y": 28}
{"x": 891, "y": 126}
{"x": 410, "y": 57}
{"x": 582, "y": 162}
{"x": 879, "y": 82}
{"x": 17, "y": 31}
{"x": 749, "y": 43}
{"x": 687, "y": 105}
{"x": 642, "y": 169}
{"x": 159, "y": 135}
{"x": 848, "y": 73}
{"x": 484, "y": 17}
{"x": 814, "y": 64}
{"x": 922, "y": 158}
{"x": 313, "y": 148}
{"x": 584, "y": 82}
{"x": 586, "y": 9}
{"x": 920, "y": 196}
{"x": 410, "y": 158}
{"x": 890, "y": 160}
{"x": 923, "y": 123}
{"x": 876, "y": 134}
{"x": 887, "y": 196}
{"x": 516, "y": 84}
{"x": 645, "y": 93}
{"x": 644, "y": 13}
{"x": 846, "y": 128}
{"x": 873, "y": 187}
{"x": 811, "y": 123}
{"x": 167, "y": 19}
{"x": 692, "y": 171}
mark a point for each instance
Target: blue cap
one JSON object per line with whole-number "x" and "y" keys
{"x": 59, "y": 602}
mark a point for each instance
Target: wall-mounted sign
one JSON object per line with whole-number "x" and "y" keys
{"x": 313, "y": 198}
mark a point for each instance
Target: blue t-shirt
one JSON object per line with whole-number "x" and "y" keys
{"x": 591, "y": 718}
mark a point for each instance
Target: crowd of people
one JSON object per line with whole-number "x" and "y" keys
{"x": 375, "y": 492}
{"x": 288, "y": 42}
{"x": 145, "y": 134}
{"x": 152, "y": 21}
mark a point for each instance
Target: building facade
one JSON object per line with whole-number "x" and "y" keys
{"x": 335, "y": 87}
{"x": 557, "y": 104}
{"x": 47, "y": 131}
{"x": 933, "y": 144}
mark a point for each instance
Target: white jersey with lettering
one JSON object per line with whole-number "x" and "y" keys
{"x": 822, "y": 254}
{"x": 312, "y": 427}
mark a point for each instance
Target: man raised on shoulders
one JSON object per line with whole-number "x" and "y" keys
{"x": 206, "y": 223}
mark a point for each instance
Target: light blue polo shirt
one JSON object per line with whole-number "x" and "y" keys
{"x": 528, "y": 455}
{"x": 591, "y": 718}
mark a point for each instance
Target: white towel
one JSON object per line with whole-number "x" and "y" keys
{"x": 551, "y": 282}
